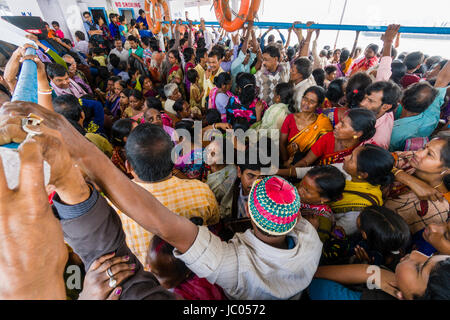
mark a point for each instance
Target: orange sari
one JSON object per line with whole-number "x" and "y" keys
{"x": 309, "y": 135}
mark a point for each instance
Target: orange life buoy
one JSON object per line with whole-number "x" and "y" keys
{"x": 223, "y": 14}
{"x": 254, "y": 7}
{"x": 154, "y": 23}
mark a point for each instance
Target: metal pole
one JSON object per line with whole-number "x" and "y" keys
{"x": 340, "y": 22}
{"x": 286, "y": 25}
{"x": 26, "y": 87}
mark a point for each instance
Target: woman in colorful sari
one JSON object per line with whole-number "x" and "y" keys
{"x": 369, "y": 167}
{"x": 420, "y": 194}
{"x": 220, "y": 94}
{"x": 370, "y": 60}
{"x": 344, "y": 63}
{"x": 357, "y": 126}
{"x": 301, "y": 130}
{"x": 121, "y": 129}
{"x": 136, "y": 109}
{"x": 189, "y": 60}
{"x": 355, "y": 92}
{"x": 175, "y": 74}
{"x": 113, "y": 102}
{"x": 192, "y": 163}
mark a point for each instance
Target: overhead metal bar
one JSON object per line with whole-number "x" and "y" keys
{"x": 343, "y": 27}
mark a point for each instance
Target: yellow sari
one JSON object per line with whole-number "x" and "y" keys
{"x": 309, "y": 135}
{"x": 357, "y": 196}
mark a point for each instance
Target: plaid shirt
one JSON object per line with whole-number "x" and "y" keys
{"x": 267, "y": 81}
{"x": 187, "y": 198}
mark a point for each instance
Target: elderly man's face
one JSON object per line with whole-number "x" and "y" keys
{"x": 71, "y": 64}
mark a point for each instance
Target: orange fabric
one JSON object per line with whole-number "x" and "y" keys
{"x": 309, "y": 135}
{"x": 447, "y": 196}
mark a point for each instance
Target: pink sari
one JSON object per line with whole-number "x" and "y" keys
{"x": 212, "y": 101}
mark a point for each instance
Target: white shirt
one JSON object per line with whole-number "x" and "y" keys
{"x": 248, "y": 269}
{"x": 123, "y": 55}
{"x": 82, "y": 46}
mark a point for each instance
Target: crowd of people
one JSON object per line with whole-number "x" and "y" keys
{"x": 154, "y": 193}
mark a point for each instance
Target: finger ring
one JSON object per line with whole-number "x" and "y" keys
{"x": 109, "y": 273}
{"x": 31, "y": 120}
{"x": 112, "y": 282}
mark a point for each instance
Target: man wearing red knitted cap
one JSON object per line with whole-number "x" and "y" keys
{"x": 276, "y": 259}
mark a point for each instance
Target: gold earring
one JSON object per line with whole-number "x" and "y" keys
{"x": 355, "y": 137}
{"x": 359, "y": 177}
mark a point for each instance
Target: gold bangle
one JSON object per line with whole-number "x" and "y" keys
{"x": 440, "y": 184}
{"x": 397, "y": 172}
{"x": 290, "y": 171}
{"x": 46, "y": 90}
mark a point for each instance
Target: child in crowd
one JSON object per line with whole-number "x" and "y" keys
{"x": 384, "y": 237}
{"x": 196, "y": 93}
{"x": 320, "y": 186}
{"x": 99, "y": 56}
{"x": 123, "y": 67}
{"x": 58, "y": 31}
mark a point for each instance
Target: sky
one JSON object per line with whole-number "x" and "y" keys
{"x": 358, "y": 12}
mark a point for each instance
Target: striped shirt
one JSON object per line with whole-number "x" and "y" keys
{"x": 248, "y": 269}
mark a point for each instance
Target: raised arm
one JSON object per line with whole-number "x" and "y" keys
{"x": 12, "y": 69}
{"x": 263, "y": 38}
{"x": 304, "y": 51}
{"x": 289, "y": 38}
{"x": 316, "y": 62}
{"x": 443, "y": 78}
{"x": 190, "y": 34}
{"x": 246, "y": 38}
{"x": 281, "y": 36}
{"x": 384, "y": 69}
{"x": 65, "y": 45}
{"x": 298, "y": 32}
{"x": 44, "y": 90}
